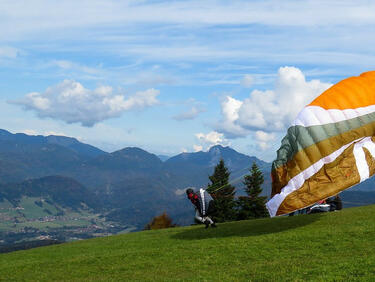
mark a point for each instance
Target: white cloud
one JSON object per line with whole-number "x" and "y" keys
{"x": 264, "y": 139}
{"x": 71, "y": 102}
{"x": 69, "y": 65}
{"x": 270, "y": 110}
{"x": 247, "y": 81}
{"x": 48, "y": 133}
{"x": 30, "y": 132}
{"x": 228, "y": 125}
{"x": 210, "y": 139}
{"x": 182, "y": 32}
{"x": 71, "y": 14}
{"x": 190, "y": 114}
{"x": 45, "y": 133}
{"x": 198, "y": 148}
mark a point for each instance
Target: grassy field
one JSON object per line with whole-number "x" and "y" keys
{"x": 338, "y": 246}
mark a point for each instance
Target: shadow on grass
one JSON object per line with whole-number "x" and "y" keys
{"x": 248, "y": 227}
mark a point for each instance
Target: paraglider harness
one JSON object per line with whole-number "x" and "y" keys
{"x": 320, "y": 207}
{"x": 203, "y": 204}
{"x": 330, "y": 204}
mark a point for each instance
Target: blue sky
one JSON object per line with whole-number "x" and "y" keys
{"x": 173, "y": 76}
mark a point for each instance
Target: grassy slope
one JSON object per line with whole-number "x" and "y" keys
{"x": 334, "y": 246}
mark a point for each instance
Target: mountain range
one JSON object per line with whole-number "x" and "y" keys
{"x": 128, "y": 186}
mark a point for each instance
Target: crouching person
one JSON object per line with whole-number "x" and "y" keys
{"x": 201, "y": 201}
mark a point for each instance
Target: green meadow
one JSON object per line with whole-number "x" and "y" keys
{"x": 337, "y": 246}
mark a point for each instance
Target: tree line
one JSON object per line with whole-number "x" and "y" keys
{"x": 226, "y": 207}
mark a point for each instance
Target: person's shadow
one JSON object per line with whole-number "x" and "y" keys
{"x": 247, "y": 228}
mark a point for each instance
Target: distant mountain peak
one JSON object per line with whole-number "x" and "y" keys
{"x": 131, "y": 151}
{"x": 62, "y": 139}
{"x": 136, "y": 154}
{"x": 4, "y": 132}
{"x": 220, "y": 148}
{"x": 70, "y": 143}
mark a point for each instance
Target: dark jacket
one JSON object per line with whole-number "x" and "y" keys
{"x": 335, "y": 202}
{"x": 201, "y": 200}
{"x": 195, "y": 201}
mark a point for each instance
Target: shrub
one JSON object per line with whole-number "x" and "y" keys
{"x": 160, "y": 222}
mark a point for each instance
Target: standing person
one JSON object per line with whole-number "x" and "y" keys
{"x": 201, "y": 202}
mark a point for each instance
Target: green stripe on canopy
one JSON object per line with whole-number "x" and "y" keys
{"x": 299, "y": 137}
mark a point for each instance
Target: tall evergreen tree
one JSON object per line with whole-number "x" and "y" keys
{"x": 222, "y": 193}
{"x": 253, "y": 205}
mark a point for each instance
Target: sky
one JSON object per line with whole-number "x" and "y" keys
{"x": 175, "y": 76}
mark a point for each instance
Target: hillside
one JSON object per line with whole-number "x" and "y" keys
{"x": 62, "y": 190}
{"x": 333, "y": 246}
{"x": 54, "y": 207}
{"x": 23, "y": 156}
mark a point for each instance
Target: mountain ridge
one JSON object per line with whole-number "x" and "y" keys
{"x": 131, "y": 184}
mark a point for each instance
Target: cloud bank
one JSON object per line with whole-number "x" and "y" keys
{"x": 73, "y": 14}
{"x": 270, "y": 110}
{"x": 264, "y": 139}
{"x": 71, "y": 102}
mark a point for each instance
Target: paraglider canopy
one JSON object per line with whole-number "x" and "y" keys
{"x": 328, "y": 148}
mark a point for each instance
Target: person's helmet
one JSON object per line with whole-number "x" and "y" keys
{"x": 189, "y": 191}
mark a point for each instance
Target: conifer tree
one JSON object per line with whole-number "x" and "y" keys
{"x": 222, "y": 193}
{"x": 253, "y": 205}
